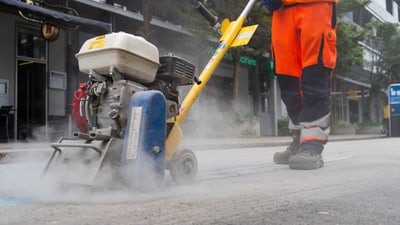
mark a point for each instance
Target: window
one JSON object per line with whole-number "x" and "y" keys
{"x": 3, "y": 87}
{"x": 362, "y": 17}
{"x": 398, "y": 14}
{"x": 389, "y": 6}
{"x": 30, "y": 43}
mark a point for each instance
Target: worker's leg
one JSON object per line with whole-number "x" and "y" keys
{"x": 286, "y": 54}
{"x": 291, "y": 96}
{"x": 313, "y": 118}
{"x": 318, "y": 45}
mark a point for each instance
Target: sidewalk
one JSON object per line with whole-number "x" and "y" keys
{"x": 198, "y": 144}
{"x": 226, "y": 143}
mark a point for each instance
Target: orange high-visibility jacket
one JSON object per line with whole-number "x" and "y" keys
{"x": 288, "y": 2}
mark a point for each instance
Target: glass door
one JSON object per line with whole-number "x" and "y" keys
{"x": 31, "y": 83}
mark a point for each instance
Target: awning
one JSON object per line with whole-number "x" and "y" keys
{"x": 12, "y": 6}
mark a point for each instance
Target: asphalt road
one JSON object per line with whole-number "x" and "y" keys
{"x": 358, "y": 185}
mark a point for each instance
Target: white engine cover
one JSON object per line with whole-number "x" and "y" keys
{"x": 134, "y": 57}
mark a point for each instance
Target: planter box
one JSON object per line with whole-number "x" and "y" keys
{"x": 370, "y": 130}
{"x": 343, "y": 130}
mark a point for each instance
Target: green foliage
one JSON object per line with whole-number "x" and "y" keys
{"x": 369, "y": 123}
{"x": 366, "y": 111}
{"x": 348, "y": 5}
{"x": 283, "y": 127}
{"x": 349, "y": 51}
{"x": 343, "y": 123}
{"x": 242, "y": 117}
{"x": 182, "y": 13}
{"x": 192, "y": 21}
{"x": 260, "y": 43}
{"x": 247, "y": 121}
{"x": 385, "y": 63}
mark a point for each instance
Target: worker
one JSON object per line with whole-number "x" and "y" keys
{"x": 304, "y": 52}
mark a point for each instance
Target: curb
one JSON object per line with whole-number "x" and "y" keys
{"x": 198, "y": 144}
{"x": 212, "y": 144}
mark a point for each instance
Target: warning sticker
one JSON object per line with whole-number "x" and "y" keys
{"x": 133, "y": 135}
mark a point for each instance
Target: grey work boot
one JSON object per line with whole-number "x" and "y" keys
{"x": 283, "y": 157}
{"x": 308, "y": 157}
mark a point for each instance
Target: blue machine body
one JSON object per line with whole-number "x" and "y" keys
{"x": 145, "y": 135}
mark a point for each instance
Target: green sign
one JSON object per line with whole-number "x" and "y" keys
{"x": 228, "y": 56}
{"x": 266, "y": 66}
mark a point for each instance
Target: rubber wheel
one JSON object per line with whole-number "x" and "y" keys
{"x": 183, "y": 167}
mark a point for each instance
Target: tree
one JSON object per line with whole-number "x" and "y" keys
{"x": 349, "y": 51}
{"x": 144, "y": 29}
{"x": 179, "y": 12}
{"x": 183, "y": 14}
{"x": 385, "y": 61}
{"x": 348, "y": 35}
{"x": 258, "y": 45}
{"x": 346, "y": 6}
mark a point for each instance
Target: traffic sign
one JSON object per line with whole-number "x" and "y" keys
{"x": 394, "y": 94}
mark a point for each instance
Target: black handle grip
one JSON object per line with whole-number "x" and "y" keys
{"x": 197, "y": 80}
{"x": 212, "y": 20}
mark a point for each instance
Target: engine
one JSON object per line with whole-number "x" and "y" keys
{"x": 119, "y": 65}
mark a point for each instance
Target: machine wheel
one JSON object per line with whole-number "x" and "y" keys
{"x": 183, "y": 166}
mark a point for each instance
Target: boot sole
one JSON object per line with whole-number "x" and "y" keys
{"x": 305, "y": 164}
{"x": 281, "y": 161}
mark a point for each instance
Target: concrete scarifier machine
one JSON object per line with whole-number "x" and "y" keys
{"x": 128, "y": 113}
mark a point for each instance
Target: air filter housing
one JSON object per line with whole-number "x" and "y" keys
{"x": 177, "y": 70}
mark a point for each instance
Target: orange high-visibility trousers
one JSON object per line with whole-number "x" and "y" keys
{"x": 303, "y": 35}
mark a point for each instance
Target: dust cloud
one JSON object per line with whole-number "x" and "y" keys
{"x": 21, "y": 173}
{"x": 22, "y": 180}
{"x": 214, "y": 116}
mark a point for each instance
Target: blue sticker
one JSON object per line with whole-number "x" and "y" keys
{"x": 13, "y": 201}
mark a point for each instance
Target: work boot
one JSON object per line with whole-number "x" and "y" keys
{"x": 283, "y": 157}
{"x": 308, "y": 157}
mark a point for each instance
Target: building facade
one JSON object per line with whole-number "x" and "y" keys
{"x": 38, "y": 76}
{"x": 41, "y": 75}
{"x": 352, "y": 100}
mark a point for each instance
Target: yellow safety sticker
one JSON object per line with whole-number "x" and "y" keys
{"x": 244, "y": 36}
{"x": 97, "y": 43}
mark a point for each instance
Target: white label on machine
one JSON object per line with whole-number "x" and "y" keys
{"x": 133, "y": 135}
